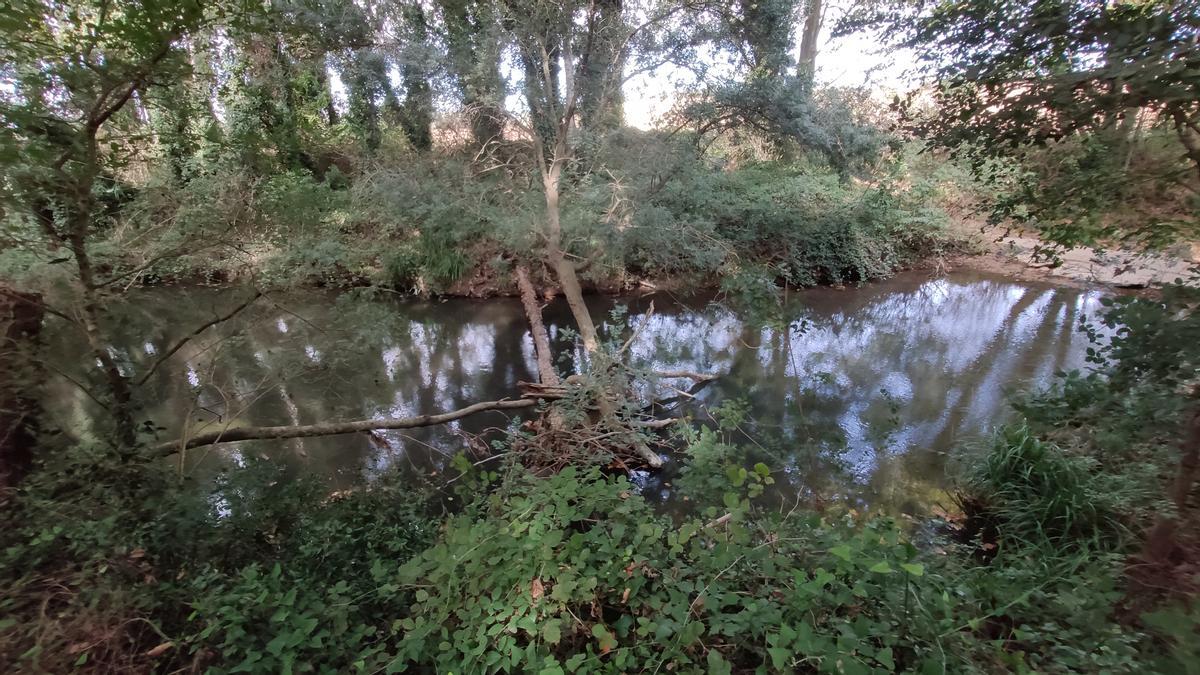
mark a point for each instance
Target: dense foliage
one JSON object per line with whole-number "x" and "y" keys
{"x": 1098, "y": 103}
{"x": 452, "y": 146}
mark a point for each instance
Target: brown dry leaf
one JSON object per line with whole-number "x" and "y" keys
{"x": 625, "y": 596}
{"x": 624, "y": 494}
{"x": 537, "y": 589}
{"x": 137, "y": 553}
{"x": 159, "y": 650}
{"x": 987, "y": 546}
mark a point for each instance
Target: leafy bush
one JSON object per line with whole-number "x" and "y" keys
{"x": 111, "y": 559}
{"x": 1072, "y": 488}
{"x": 807, "y": 227}
{"x": 575, "y": 573}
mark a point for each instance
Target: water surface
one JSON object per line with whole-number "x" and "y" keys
{"x": 864, "y": 397}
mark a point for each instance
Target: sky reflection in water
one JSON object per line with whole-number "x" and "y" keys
{"x": 861, "y": 400}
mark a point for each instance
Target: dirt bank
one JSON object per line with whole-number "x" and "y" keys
{"x": 1014, "y": 255}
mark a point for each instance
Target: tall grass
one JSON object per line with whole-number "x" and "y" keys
{"x": 1038, "y": 494}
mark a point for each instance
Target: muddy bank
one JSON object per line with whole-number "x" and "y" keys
{"x": 1082, "y": 267}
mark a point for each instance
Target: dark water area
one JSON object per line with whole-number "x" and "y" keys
{"x": 866, "y": 397}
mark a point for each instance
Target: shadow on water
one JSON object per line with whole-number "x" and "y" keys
{"x": 861, "y": 399}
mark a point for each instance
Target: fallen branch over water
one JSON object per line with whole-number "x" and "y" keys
{"x": 335, "y": 428}
{"x": 689, "y": 374}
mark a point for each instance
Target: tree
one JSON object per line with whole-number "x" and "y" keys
{"x": 806, "y": 64}
{"x": 472, "y": 33}
{"x": 417, "y": 111}
{"x": 574, "y": 54}
{"x": 1005, "y": 75}
{"x": 75, "y": 68}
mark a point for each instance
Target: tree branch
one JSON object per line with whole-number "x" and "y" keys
{"x": 334, "y": 428}
{"x": 179, "y": 345}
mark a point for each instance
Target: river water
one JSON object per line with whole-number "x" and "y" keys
{"x": 866, "y": 397}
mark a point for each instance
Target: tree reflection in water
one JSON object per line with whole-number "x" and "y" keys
{"x": 861, "y": 399}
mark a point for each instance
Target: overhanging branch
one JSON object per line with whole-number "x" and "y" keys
{"x": 334, "y": 428}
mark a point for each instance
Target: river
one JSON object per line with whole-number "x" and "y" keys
{"x": 864, "y": 398}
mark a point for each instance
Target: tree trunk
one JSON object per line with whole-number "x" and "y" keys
{"x": 564, "y": 269}
{"x": 89, "y": 311}
{"x": 20, "y": 323}
{"x": 601, "y": 103}
{"x": 541, "y": 341}
{"x": 806, "y": 67}
{"x": 417, "y": 111}
{"x": 1188, "y": 131}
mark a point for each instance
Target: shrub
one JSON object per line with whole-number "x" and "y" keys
{"x": 575, "y": 573}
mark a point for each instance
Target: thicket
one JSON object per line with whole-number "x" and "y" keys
{"x": 430, "y": 224}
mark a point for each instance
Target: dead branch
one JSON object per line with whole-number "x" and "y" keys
{"x": 334, "y": 428}
{"x": 689, "y": 374}
{"x": 655, "y": 424}
{"x": 539, "y": 390}
{"x": 637, "y": 331}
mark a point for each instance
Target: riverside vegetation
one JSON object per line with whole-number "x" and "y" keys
{"x": 477, "y": 147}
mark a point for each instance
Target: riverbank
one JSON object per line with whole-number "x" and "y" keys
{"x": 1003, "y": 252}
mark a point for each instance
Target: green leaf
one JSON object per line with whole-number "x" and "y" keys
{"x": 717, "y": 665}
{"x": 606, "y": 638}
{"x": 842, "y": 552}
{"x": 881, "y": 567}
{"x": 885, "y": 659}
{"x": 552, "y": 631}
{"x": 915, "y": 569}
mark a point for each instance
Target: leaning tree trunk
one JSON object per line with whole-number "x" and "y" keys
{"x": 541, "y": 340}
{"x": 806, "y": 65}
{"x": 20, "y": 323}
{"x": 564, "y": 269}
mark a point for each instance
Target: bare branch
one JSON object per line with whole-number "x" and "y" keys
{"x": 179, "y": 345}
{"x": 334, "y": 428}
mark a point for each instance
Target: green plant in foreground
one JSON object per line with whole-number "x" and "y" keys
{"x": 576, "y": 573}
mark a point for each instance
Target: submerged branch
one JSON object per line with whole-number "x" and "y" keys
{"x": 335, "y": 428}
{"x": 541, "y": 341}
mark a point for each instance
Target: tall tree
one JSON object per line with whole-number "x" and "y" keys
{"x": 1012, "y": 73}
{"x": 472, "y": 33}
{"x": 558, "y": 45}
{"x": 75, "y": 68}
{"x": 415, "y": 74}
{"x": 806, "y": 64}
{"x": 601, "y": 104}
